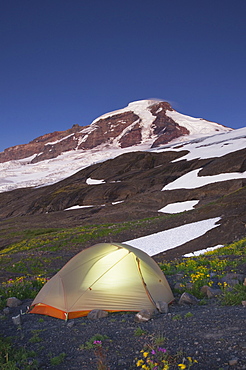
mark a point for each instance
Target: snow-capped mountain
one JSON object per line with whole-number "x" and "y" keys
{"x": 142, "y": 125}
{"x": 201, "y": 181}
{"x": 199, "y": 177}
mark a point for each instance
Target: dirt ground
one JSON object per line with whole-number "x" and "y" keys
{"x": 211, "y": 334}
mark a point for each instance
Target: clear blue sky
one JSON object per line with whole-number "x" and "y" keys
{"x": 65, "y": 62}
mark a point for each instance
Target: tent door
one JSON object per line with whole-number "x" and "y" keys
{"x": 144, "y": 284}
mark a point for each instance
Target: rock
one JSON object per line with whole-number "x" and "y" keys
{"x": 210, "y": 292}
{"x": 6, "y": 311}
{"x": 70, "y": 324}
{"x": 189, "y": 285}
{"x": 187, "y": 298}
{"x": 13, "y": 302}
{"x": 178, "y": 276}
{"x": 144, "y": 315}
{"x": 204, "y": 289}
{"x": 233, "y": 362}
{"x": 97, "y": 314}
{"x": 232, "y": 279}
{"x": 162, "y": 306}
{"x": 179, "y": 286}
{"x": 244, "y": 303}
{"x": 242, "y": 345}
{"x": 16, "y": 320}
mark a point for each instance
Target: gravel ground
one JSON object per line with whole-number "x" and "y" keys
{"x": 213, "y": 335}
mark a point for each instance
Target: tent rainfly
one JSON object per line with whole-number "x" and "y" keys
{"x": 107, "y": 276}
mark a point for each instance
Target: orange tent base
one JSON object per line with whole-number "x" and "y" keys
{"x": 44, "y": 309}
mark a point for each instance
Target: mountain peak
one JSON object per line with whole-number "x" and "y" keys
{"x": 144, "y": 103}
{"x": 143, "y": 124}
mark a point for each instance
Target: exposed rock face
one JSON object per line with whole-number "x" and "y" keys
{"x": 146, "y": 121}
{"x": 164, "y": 127}
{"x": 43, "y": 147}
{"x": 105, "y": 130}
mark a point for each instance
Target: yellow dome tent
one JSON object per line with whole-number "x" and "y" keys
{"x": 106, "y": 276}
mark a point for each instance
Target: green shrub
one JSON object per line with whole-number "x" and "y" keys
{"x": 57, "y": 360}
{"x": 93, "y": 341}
{"x": 14, "y": 358}
{"x": 22, "y": 287}
{"x": 235, "y": 296}
{"x": 139, "y": 332}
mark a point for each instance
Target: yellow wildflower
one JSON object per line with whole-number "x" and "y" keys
{"x": 145, "y": 367}
{"x": 145, "y": 354}
{"x": 139, "y": 362}
{"x": 182, "y": 366}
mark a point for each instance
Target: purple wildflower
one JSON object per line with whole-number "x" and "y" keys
{"x": 98, "y": 342}
{"x": 162, "y": 349}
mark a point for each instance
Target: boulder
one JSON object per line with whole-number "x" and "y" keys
{"x": 97, "y": 314}
{"x": 187, "y": 298}
{"x": 144, "y": 315}
{"x": 210, "y": 292}
{"x": 13, "y": 302}
{"x": 162, "y": 306}
{"x": 232, "y": 279}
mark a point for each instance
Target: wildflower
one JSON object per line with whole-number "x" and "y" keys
{"x": 139, "y": 363}
{"x": 145, "y": 367}
{"x": 153, "y": 352}
{"x": 182, "y": 366}
{"x": 145, "y": 354}
{"x": 162, "y": 349}
{"x": 97, "y": 342}
{"x": 166, "y": 367}
{"x": 149, "y": 361}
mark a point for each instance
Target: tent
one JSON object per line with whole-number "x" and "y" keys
{"x": 107, "y": 276}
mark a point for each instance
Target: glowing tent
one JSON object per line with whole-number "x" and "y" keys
{"x": 106, "y": 276}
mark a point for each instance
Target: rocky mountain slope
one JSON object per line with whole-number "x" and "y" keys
{"x": 210, "y": 172}
{"x": 151, "y": 121}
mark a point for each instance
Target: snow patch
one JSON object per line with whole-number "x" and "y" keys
{"x": 172, "y": 238}
{"x": 120, "y": 201}
{"x": 179, "y": 206}
{"x": 76, "y": 207}
{"x": 196, "y": 125}
{"x": 58, "y": 141}
{"x": 213, "y": 146}
{"x": 191, "y": 180}
{"x": 91, "y": 181}
{"x": 202, "y": 251}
